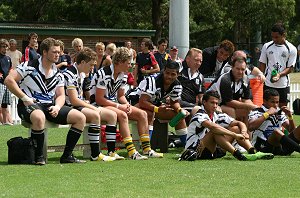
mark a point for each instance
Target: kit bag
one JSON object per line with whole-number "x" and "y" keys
{"x": 21, "y": 150}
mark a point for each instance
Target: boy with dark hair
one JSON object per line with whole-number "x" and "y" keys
{"x": 30, "y": 53}
{"x": 277, "y": 59}
{"x": 161, "y": 56}
{"x": 154, "y": 93}
{"x": 266, "y": 123}
{"x": 209, "y": 128}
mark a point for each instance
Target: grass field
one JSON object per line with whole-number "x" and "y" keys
{"x": 165, "y": 177}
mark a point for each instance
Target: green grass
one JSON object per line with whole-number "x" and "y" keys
{"x": 165, "y": 177}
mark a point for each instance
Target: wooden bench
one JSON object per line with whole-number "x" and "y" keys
{"x": 85, "y": 146}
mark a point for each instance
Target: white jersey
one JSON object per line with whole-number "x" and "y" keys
{"x": 196, "y": 131}
{"x": 278, "y": 57}
{"x": 268, "y": 126}
{"x": 34, "y": 83}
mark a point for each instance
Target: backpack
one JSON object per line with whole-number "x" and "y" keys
{"x": 21, "y": 150}
{"x": 296, "y": 106}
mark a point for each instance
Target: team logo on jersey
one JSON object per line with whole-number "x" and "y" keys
{"x": 284, "y": 55}
{"x": 271, "y": 52}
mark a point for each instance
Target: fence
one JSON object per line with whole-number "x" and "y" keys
{"x": 295, "y": 93}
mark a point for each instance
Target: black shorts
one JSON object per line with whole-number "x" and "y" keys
{"x": 283, "y": 93}
{"x": 25, "y": 111}
{"x": 265, "y": 147}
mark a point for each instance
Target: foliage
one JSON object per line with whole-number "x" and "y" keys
{"x": 210, "y": 20}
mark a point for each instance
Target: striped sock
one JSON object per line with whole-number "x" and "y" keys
{"x": 93, "y": 133}
{"x": 145, "y": 142}
{"x": 129, "y": 146}
{"x": 111, "y": 134}
{"x": 38, "y": 136}
{"x": 72, "y": 138}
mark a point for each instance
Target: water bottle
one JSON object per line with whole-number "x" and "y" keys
{"x": 273, "y": 74}
{"x": 180, "y": 115}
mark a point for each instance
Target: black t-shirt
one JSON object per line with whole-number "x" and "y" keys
{"x": 5, "y": 66}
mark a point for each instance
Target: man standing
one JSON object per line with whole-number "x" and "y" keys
{"x": 277, "y": 59}
{"x": 161, "y": 56}
{"x": 40, "y": 87}
{"x": 14, "y": 54}
{"x": 30, "y": 52}
{"x": 5, "y": 67}
{"x": 215, "y": 57}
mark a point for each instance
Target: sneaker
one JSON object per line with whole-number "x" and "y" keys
{"x": 250, "y": 157}
{"x": 266, "y": 156}
{"x": 40, "y": 161}
{"x": 70, "y": 159}
{"x": 102, "y": 157}
{"x": 138, "y": 156}
{"x": 8, "y": 123}
{"x": 244, "y": 157}
{"x": 154, "y": 154}
{"x": 116, "y": 156}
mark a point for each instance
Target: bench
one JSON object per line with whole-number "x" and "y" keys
{"x": 85, "y": 146}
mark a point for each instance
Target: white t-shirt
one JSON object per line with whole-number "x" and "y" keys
{"x": 16, "y": 57}
{"x": 278, "y": 57}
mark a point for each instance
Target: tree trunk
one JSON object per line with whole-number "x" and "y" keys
{"x": 156, "y": 19}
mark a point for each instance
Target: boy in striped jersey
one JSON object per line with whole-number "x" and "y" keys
{"x": 266, "y": 123}
{"x": 85, "y": 61}
{"x": 40, "y": 87}
{"x": 159, "y": 97}
{"x": 209, "y": 128}
{"x": 108, "y": 90}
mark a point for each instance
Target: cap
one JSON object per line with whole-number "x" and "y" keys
{"x": 174, "y": 48}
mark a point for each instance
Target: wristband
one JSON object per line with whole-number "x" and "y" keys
{"x": 178, "y": 110}
{"x": 290, "y": 117}
{"x": 155, "y": 109}
{"x": 266, "y": 115}
{"x": 117, "y": 105}
{"x": 26, "y": 98}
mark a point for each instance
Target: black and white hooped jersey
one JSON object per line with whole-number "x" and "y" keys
{"x": 34, "y": 83}
{"x": 192, "y": 85}
{"x": 154, "y": 87}
{"x": 195, "y": 129}
{"x": 73, "y": 80}
{"x": 104, "y": 79}
{"x": 268, "y": 126}
{"x": 278, "y": 57}
{"x": 229, "y": 89}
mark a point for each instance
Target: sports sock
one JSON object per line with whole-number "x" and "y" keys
{"x": 183, "y": 139}
{"x": 38, "y": 136}
{"x": 252, "y": 150}
{"x": 289, "y": 144}
{"x": 150, "y": 131}
{"x": 110, "y": 134}
{"x": 93, "y": 133}
{"x": 72, "y": 138}
{"x": 145, "y": 142}
{"x": 129, "y": 146}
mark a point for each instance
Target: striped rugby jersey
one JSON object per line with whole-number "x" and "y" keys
{"x": 154, "y": 87}
{"x": 104, "y": 79}
{"x": 73, "y": 80}
{"x": 196, "y": 131}
{"x": 268, "y": 126}
{"x": 34, "y": 83}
